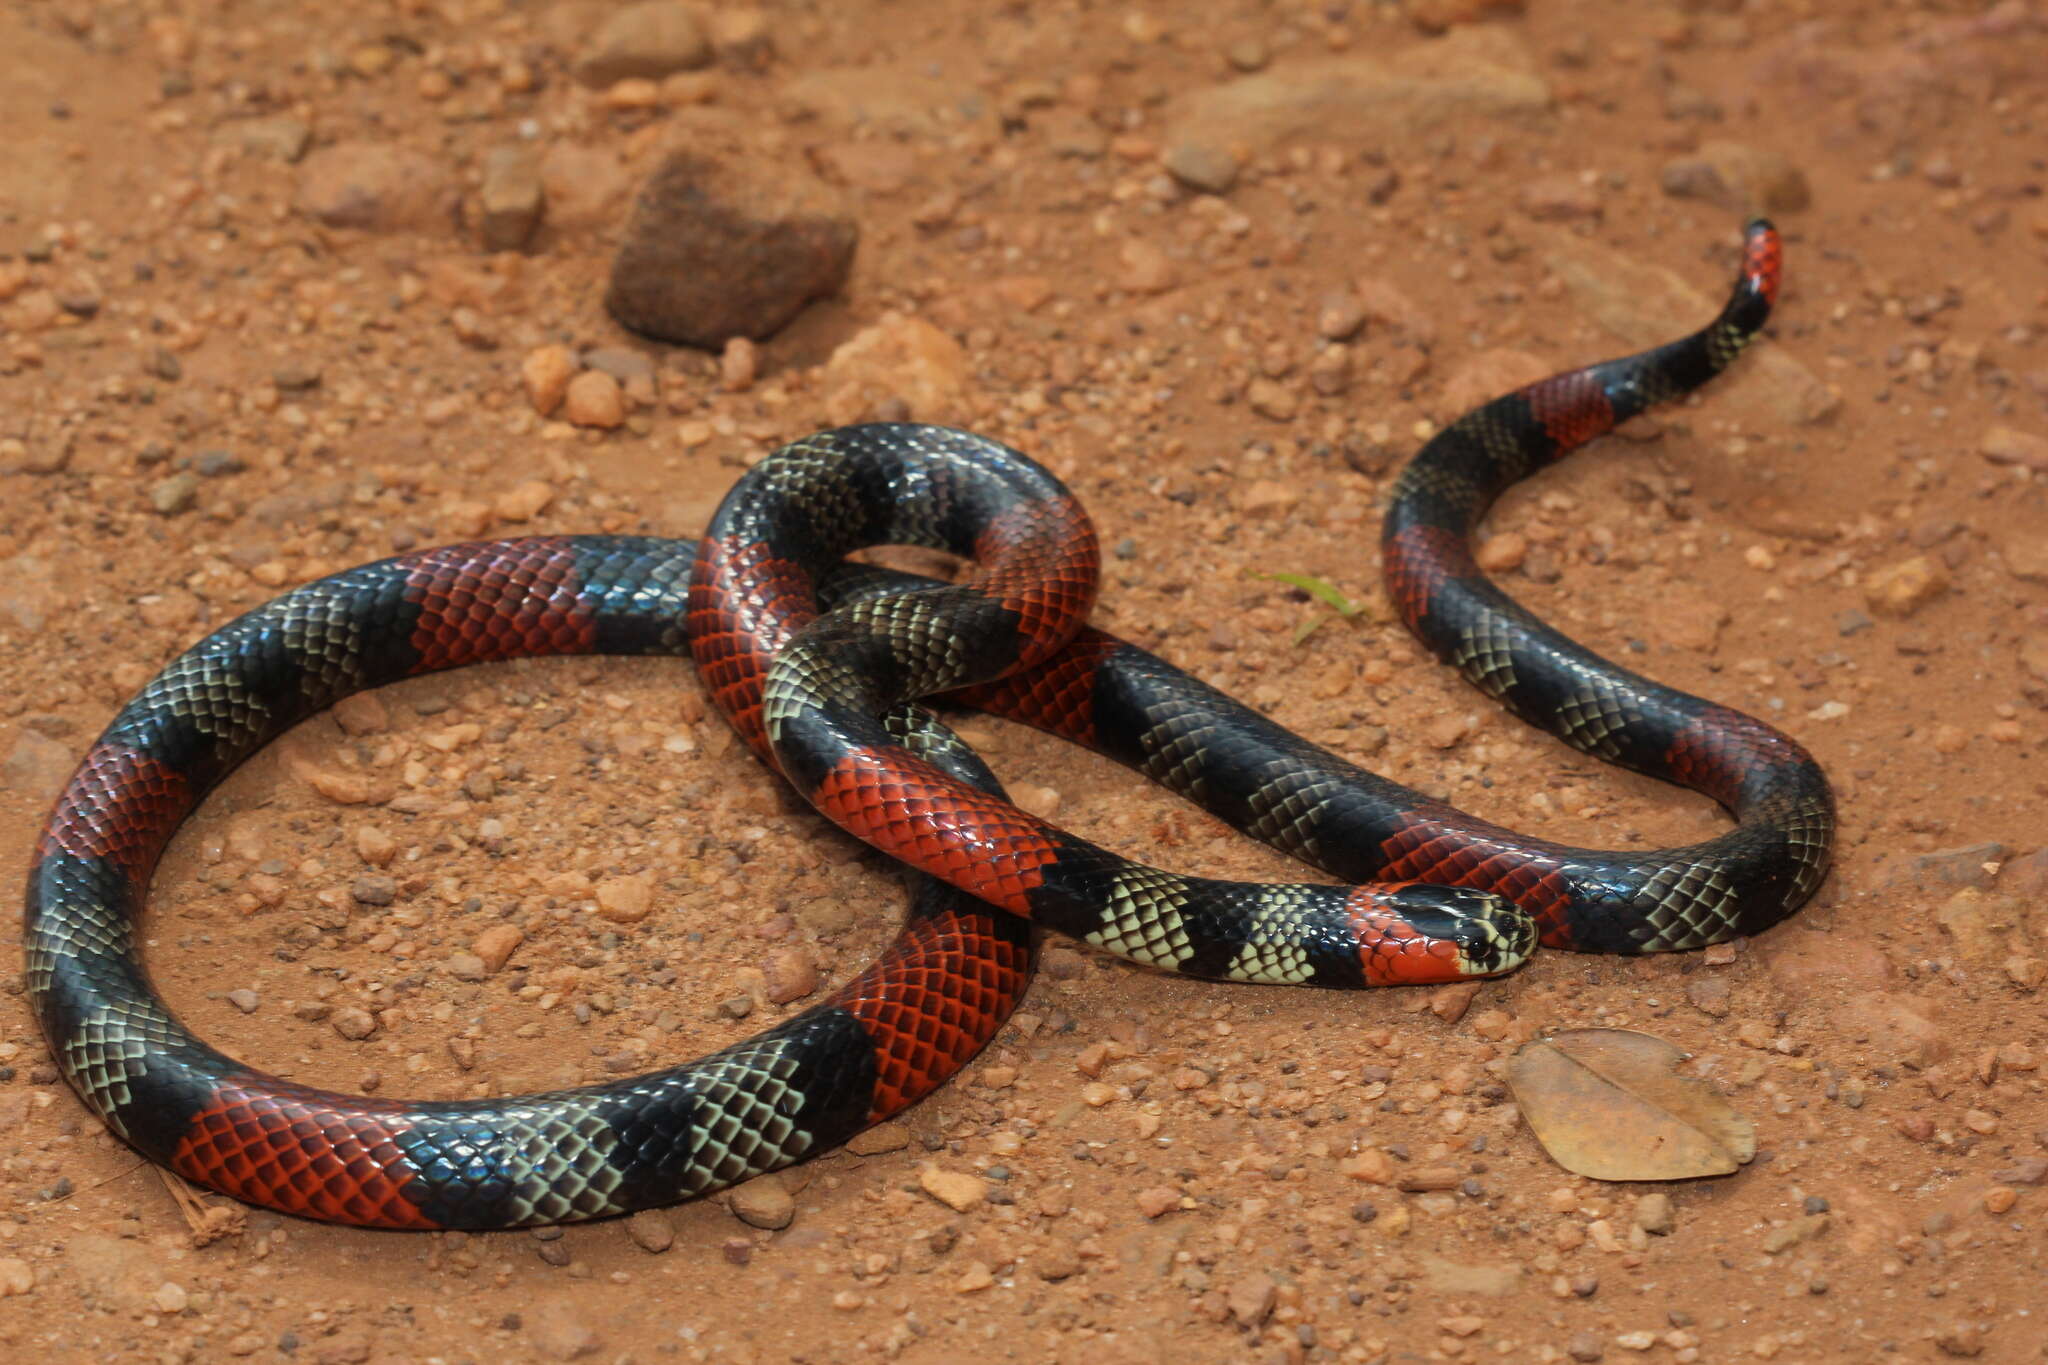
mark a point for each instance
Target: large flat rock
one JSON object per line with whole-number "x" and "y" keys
{"x": 1366, "y": 95}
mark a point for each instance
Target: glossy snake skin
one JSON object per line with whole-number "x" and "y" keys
{"x": 1434, "y": 894}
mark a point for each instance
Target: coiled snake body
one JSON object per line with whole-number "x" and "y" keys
{"x": 1434, "y": 895}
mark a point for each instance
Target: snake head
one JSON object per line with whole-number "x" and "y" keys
{"x": 1487, "y": 934}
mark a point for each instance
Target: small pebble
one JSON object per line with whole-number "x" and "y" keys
{"x": 175, "y": 494}
{"x": 957, "y": 1190}
{"x": 791, "y": 974}
{"x": 651, "y": 1230}
{"x": 763, "y": 1202}
{"x": 594, "y": 399}
{"x": 354, "y": 1023}
{"x": 495, "y": 944}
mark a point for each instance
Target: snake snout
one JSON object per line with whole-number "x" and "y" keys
{"x": 1492, "y": 934}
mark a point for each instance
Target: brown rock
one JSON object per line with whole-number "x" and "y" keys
{"x": 1340, "y": 315}
{"x": 281, "y": 139}
{"x": 1471, "y": 73}
{"x": 1158, "y": 1201}
{"x": 1268, "y": 499}
{"x": 1455, "y": 1278}
{"x": 744, "y": 38}
{"x": 2033, "y": 657}
{"x": 2028, "y": 1170}
{"x": 374, "y": 846}
{"x": 495, "y": 944}
{"x": 1745, "y": 180}
{"x": 1982, "y": 926}
{"x": 1501, "y": 552}
{"x": 1273, "y": 400}
{"x": 763, "y": 1202}
{"x": 545, "y": 373}
{"x": 899, "y": 360}
{"x": 1899, "y": 590}
{"x": 957, "y": 1190}
{"x": 2005, "y": 445}
{"x": 1445, "y": 731}
{"x": 1560, "y": 198}
{"x": 883, "y": 1137}
{"x": 524, "y": 501}
{"x": 1946, "y": 869}
{"x": 876, "y": 167}
{"x": 594, "y": 399}
{"x": 626, "y": 900}
{"x": 718, "y": 248}
{"x": 1688, "y": 618}
{"x": 739, "y": 364}
{"x": 651, "y": 1231}
{"x": 1803, "y": 1229}
{"x": 888, "y": 97}
{"x": 1330, "y": 372}
{"x": 1201, "y": 166}
{"x": 1056, "y": 1262}
{"x": 362, "y": 714}
{"x": 1708, "y": 995}
{"x": 582, "y": 186}
{"x": 1372, "y": 1165}
{"x": 1251, "y": 1299}
{"x": 645, "y": 41}
{"x": 1904, "y": 1025}
{"x": 1146, "y": 268}
{"x": 2026, "y": 875}
{"x": 1387, "y": 303}
{"x": 510, "y": 198}
{"x": 791, "y": 975}
{"x": 1963, "y": 1340}
{"x": 1070, "y": 133}
{"x": 16, "y": 1277}
{"x": 343, "y": 786}
{"x": 353, "y": 1023}
{"x": 376, "y": 186}
{"x": 1449, "y": 1003}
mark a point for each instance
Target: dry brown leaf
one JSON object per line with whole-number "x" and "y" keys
{"x": 1606, "y": 1103}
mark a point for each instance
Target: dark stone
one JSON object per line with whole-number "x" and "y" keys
{"x": 718, "y": 249}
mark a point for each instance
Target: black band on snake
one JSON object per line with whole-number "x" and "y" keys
{"x": 1437, "y": 894}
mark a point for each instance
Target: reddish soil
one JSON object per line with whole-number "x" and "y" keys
{"x": 207, "y": 394}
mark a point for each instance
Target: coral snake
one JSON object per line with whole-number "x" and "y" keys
{"x": 1428, "y": 893}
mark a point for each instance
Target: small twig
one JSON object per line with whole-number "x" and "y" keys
{"x": 118, "y": 1175}
{"x": 208, "y": 1222}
